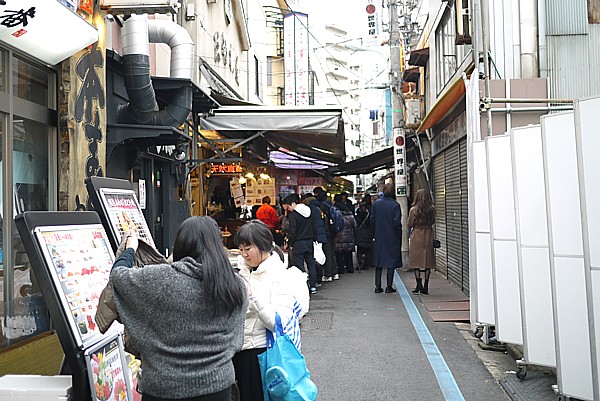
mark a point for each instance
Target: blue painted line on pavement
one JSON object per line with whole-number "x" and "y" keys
{"x": 442, "y": 372}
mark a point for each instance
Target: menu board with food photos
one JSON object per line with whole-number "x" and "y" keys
{"x": 124, "y": 213}
{"x": 107, "y": 371}
{"x": 79, "y": 258}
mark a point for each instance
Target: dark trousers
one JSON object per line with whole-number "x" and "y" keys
{"x": 303, "y": 252}
{"x": 247, "y": 374}
{"x": 344, "y": 261}
{"x": 330, "y": 267}
{"x": 390, "y": 277}
{"x": 364, "y": 256}
{"x": 224, "y": 395}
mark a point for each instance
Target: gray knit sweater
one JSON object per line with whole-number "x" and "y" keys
{"x": 185, "y": 351}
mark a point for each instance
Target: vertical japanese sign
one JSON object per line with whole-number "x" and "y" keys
{"x": 400, "y": 162}
{"x": 296, "y": 67}
{"x": 372, "y": 23}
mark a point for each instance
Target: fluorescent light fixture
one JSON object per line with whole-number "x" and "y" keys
{"x": 327, "y": 152}
{"x": 46, "y": 30}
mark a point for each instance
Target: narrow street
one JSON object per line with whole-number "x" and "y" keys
{"x": 363, "y": 346}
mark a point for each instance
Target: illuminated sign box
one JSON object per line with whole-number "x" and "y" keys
{"x": 46, "y": 30}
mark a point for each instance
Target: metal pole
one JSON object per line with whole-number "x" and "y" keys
{"x": 486, "y": 60}
{"x": 397, "y": 110}
{"x": 522, "y": 100}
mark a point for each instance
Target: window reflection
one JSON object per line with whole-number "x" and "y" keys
{"x": 31, "y": 83}
{"x": 27, "y": 311}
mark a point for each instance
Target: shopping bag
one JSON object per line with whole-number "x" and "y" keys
{"x": 283, "y": 369}
{"x": 318, "y": 252}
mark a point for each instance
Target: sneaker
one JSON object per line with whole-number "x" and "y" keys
{"x": 336, "y": 277}
{"x": 326, "y": 279}
{"x": 313, "y": 290}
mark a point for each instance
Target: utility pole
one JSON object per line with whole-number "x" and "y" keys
{"x": 398, "y": 124}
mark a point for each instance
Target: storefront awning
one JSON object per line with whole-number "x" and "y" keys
{"x": 444, "y": 104}
{"x": 419, "y": 57}
{"x": 47, "y": 30}
{"x": 412, "y": 74}
{"x": 315, "y": 132}
{"x": 367, "y": 164}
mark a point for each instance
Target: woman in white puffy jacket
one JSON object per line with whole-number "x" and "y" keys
{"x": 272, "y": 288}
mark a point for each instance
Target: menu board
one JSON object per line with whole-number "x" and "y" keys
{"x": 79, "y": 258}
{"x": 124, "y": 213}
{"x": 107, "y": 371}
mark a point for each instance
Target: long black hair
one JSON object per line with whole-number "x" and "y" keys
{"x": 256, "y": 233}
{"x": 198, "y": 238}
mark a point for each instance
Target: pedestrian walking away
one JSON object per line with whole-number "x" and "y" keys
{"x": 198, "y": 303}
{"x": 386, "y": 220}
{"x": 421, "y": 256}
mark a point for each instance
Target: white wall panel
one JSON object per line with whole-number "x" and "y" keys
{"x": 486, "y": 313}
{"x": 509, "y": 328}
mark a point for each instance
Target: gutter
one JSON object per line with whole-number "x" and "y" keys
{"x": 136, "y": 34}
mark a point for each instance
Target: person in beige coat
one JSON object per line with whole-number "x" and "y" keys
{"x": 421, "y": 256}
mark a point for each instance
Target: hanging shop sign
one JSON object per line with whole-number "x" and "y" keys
{"x": 295, "y": 59}
{"x": 400, "y": 162}
{"x": 47, "y": 30}
{"x": 226, "y": 168}
{"x": 372, "y": 24}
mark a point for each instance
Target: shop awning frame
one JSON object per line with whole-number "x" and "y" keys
{"x": 367, "y": 164}
{"x": 419, "y": 57}
{"x": 316, "y": 132}
{"x": 445, "y": 103}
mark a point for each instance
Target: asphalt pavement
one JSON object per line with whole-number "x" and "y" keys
{"x": 363, "y": 346}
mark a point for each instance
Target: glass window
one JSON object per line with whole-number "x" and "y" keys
{"x": 2, "y": 71}
{"x": 26, "y": 312}
{"x": 31, "y": 83}
{"x": 445, "y": 39}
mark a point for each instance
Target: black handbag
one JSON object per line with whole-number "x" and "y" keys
{"x": 437, "y": 243}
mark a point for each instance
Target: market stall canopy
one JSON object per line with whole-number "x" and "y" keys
{"x": 316, "y": 132}
{"x": 367, "y": 164}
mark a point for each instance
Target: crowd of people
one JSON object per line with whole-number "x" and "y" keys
{"x": 198, "y": 324}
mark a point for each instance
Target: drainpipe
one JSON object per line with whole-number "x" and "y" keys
{"x": 142, "y": 108}
{"x": 528, "y": 38}
{"x": 542, "y": 53}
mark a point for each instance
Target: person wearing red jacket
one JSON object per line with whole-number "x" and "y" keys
{"x": 267, "y": 214}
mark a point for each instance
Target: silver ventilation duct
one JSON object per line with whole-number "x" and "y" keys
{"x": 136, "y": 34}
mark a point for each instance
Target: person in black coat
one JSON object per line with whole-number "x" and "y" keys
{"x": 364, "y": 236}
{"x": 386, "y": 220}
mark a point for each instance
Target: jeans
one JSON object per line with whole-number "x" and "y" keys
{"x": 303, "y": 252}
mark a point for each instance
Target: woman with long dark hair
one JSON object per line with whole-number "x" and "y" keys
{"x": 186, "y": 319}
{"x": 273, "y": 288}
{"x": 421, "y": 256}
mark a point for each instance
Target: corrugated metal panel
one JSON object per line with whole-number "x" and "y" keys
{"x": 464, "y": 206}
{"x": 566, "y": 17}
{"x": 439, "y": 190}
{"x": 594, "y": 59}
{"x": 568, "y": 66}
{"x": 415, "y": 185}
{"x": 453, "y": 215}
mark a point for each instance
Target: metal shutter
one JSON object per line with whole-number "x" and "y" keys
{"x": 414, "y": 187}
{"x": 439, "y": 202}
{"x": 464, "y": 195}
{"x": 453, "y": 215}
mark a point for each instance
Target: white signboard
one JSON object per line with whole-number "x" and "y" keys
{"x": 296, "y": 69}
{"x": 47, "y": 30}
{"x": 400, "y": 162}
{"x": 372, "y": 23}
{"x": 142, "y": 193}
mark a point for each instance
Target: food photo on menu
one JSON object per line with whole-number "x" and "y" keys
{"x": 81, "y": 259}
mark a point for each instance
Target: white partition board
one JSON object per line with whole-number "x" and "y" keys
{"x": 483, "y": 247}
{"x": 588, "y": 145}
{"x": 571, "y": 327}
{"x": 534, "y": 251}
{"x": 509, "y": 327}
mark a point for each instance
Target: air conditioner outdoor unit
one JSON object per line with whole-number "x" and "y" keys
{"x": 413, "y": 111}
{"x": 463, "y": 22}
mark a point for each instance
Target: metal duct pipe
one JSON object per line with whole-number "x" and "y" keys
{"x": 142, "y": 108}
{"x": 529, "y": 38}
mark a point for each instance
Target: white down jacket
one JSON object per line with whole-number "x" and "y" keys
{"x": 274, "y": 289}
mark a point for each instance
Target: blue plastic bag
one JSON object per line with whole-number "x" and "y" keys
{"x": 283, "y": 369}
